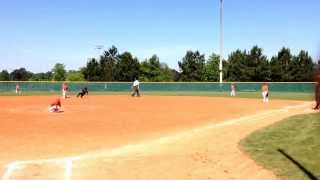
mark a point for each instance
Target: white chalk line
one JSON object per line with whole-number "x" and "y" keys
{"x": 10, "y": 169}
{"x": 68, "y": 169}
{"x": 126, "y": 149}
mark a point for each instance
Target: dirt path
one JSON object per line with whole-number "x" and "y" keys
{"x": 210, "y": 152}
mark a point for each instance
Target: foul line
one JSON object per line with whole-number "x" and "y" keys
{"x": 68, "y": 171}
{"x": 10, "y": 168}
{"x": 125, "y": 149}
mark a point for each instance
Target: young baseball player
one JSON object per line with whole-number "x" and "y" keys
{"x": 18, "y": 90}
{"x": 317, "y": 92}
{"x": 65, "y": 89}
{"x": 83, "y": 92}
{"x": 135, "y": 88}
{"x": 232, "y": 89}
{"x": 265, "y": 92}
{"x": 55, "y": 106}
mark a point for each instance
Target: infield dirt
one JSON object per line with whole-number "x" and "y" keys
{"x": 28, "y": 132}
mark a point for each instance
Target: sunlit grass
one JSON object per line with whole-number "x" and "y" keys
{"x": 298, "y": 137}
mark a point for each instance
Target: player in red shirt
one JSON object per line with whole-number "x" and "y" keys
{"x": 65, "y": 89}
{"x": 18, "y": 90}
{"x": 55, "y": 106}
{"x": 265, "y": 92}
{"x": 317, "y": 92}
{"x": 233, "y": 89}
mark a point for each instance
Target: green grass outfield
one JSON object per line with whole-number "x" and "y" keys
{"x": 290, "y": 148}
{"x": 273, "y": 95}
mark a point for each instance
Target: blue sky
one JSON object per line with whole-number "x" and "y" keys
{"x": 37, "y": 34}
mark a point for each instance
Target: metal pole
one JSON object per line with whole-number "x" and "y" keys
{"x": 221, "y": 40}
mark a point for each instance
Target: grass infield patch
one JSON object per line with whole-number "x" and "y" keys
{"x": 290, "y": 148}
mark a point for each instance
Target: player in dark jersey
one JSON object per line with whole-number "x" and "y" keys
{"x": 83, "y": 92}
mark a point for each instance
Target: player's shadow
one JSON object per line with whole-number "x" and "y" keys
{"x": 57, "y": 112}
{"x": 300, "y": 166}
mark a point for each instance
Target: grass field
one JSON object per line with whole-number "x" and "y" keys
{"x": 291, "y": 148}
{"x": 273, "y": 95}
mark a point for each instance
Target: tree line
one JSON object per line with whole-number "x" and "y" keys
{"x": 241, "y": 65}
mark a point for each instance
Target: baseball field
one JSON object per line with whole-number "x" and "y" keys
{"x": 159, "y": 90}
{"x": 121, "y": 137}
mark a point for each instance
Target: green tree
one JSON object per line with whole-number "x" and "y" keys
{"x": 258, "y": 65}
{"x": 92, "y": 70}
{"x": 302, "y": 68}
{"x": 175, "y": 75}
{"x": 155, "y": 71}
{"x": 4, "y": 75}
{"x": 59, "y": 72}
{"x": 280, "y": 65}
{"x": 75, "y": 76}
{"x": 248, "y": 66}
{"x": 212, "y": 68}
{"x": 107, "y": 64}
{"x": 127, "y": 67}
{"x": 42, "y": 76}
{"x": 237, "y": 67}
{"x": 150, "y": 69}
{"x": 317, "y": 66}
{"x": 20, "y": 75}
{"x": 165, "y": 73}
{"x": 192, "y": 66}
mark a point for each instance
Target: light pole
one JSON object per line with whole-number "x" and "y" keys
{"x": 221, "y": 40}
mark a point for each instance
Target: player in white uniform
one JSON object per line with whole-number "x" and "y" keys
{"x": 265, "y": 92}
{"x": 317, "y": 92}
{"x": 135, "y": 88}
{"x": 65, "y": 89}
{"x": 233, "y": 89}
{"x": 18, "y": 90}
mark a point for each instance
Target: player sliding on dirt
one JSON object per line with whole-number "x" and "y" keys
{"x": 55, "y": 106}
{"x": 83, "y": 92}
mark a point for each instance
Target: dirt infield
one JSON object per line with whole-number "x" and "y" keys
{"x": 78, "y": 143}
